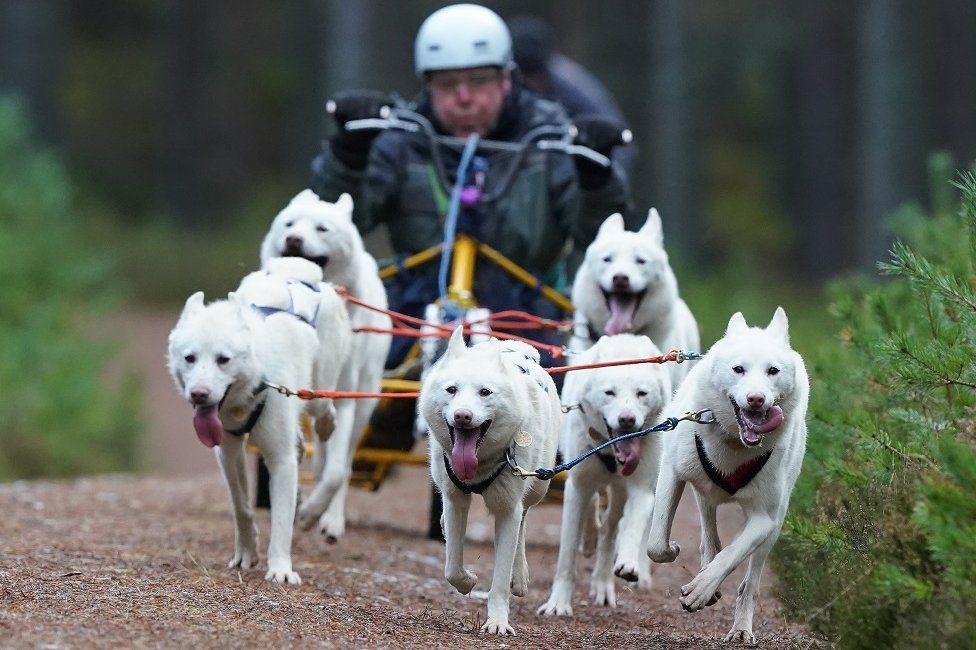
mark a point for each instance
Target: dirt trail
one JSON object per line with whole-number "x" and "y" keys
{"x": 139, "y": 562}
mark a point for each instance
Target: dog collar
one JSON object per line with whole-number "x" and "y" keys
{"x": 739, "y": 478}
{"x": 477, "y": 488}
{"x": 610, "y": 462}
{"x": 252, "y": 418}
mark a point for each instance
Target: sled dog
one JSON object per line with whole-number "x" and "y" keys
{"x": 481, "y": 404}
{"x": 281, "y": 326}
{"x": 756, "y": 386}
{"x": 606, "y": 403}
{"x": 625, "y": 284}
{"x": 324, "y": 233}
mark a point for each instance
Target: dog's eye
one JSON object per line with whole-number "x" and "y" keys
{"x": 322, "y": 229}
{"x": 608, "y": 258}
{"x": 642, "y": 393}
{"x": 609, "y": 393}
{"x": 190, "y": 358}
{"x": 289, "y": 224}
{"x": 641, "y": 260}
{"x": 222, "y": 359}
{"x": 484, "y": 392}
{"x": 451, "y": 390}
{"x": 773, "y": 370}
{"x": 738, "y": 370}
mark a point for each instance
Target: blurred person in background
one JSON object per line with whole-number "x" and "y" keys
{"x": 553, "y": 208}
{"x": 558, "y": 78}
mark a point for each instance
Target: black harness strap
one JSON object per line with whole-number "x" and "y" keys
{"x": 742, "y": 475}
{"x": 610, "y": 462}
{"x": 477, "y": 488}
{"x": 255, "y": 414}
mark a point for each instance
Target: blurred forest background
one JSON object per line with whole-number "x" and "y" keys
{"x": 768, "y": 132}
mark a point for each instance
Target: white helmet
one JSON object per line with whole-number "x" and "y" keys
{"x": 462, "y": 36}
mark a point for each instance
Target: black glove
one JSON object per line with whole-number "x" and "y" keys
{"x": 601, "y": 134}
{"x": 352, "y": 147}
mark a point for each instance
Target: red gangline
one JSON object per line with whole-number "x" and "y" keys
{"x": 670, "y": 356}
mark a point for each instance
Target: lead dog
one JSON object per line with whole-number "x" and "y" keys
{"x": 280, "y": 326}
{"x": 607, "y": 403}
{"x": 481, "y": 403}
{"x": 626, "y": 284}
{"x": 324, "y": 233}
{"x": 757, "y": 388}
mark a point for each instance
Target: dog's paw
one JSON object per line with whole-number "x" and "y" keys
{"x": 664, "y": 555}
{"x": 464, "y": 581}
{"x": 695, "y": 595}
{"x": 307, "y": 516}
{"x": 627, "y": 570}
{"x": 287, "y": 577}
{"x": 603, "y": 593}
{"x": 333, "y": 528}
{"x": 497, "y": 626}
{"x": 244, "y": 558}
{"x": 745, "y": 637}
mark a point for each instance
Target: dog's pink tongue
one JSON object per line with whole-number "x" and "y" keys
{"x": 622, "y": 307}
{"x": 464, "y": 455}
{"x": 628, "y": 453}
{"x": 208, "y": 426}
{"x": 774, "y": 419}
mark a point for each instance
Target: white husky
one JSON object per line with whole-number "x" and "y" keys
{"x": 281, "y": 326}
{"x": 626, "y": 284}
{"x": 482, "y": 403}
{"x": 609, "y": 402}
{"x": 757, "y": 388}
{"x": 324, "y": 233}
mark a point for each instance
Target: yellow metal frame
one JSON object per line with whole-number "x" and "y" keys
{"x": 463, "y": 260}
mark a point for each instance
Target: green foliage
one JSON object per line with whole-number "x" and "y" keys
{"x": 879, "y": 548}
{"x": 56, "y": 416}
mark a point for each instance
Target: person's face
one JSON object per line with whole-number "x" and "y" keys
{"x": 468, "y": 100}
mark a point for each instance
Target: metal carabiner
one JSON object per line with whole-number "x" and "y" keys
{"x": 700, "y": 417}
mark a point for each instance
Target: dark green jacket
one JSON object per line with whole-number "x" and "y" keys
{"x": 531, "y": 223}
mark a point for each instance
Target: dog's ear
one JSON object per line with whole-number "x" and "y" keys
{"x": 344, "y": 203}
{"x": 456, "y": 344}
{"x": 653, "y": 228}
{"x": 736, "y": 324}
{"x": 779, "y": 326}
{"x": 305, "y": 196}
{"x": 612, "y": 224}
{"x": 193, "y": 304}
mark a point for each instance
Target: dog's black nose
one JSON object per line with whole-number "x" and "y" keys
{"x": 463, "y": 418}
{"x": 621, "y": 282}
{"x": 756, "y": 400}
{"x": 627, "y": 420}
{"x": 199, "y": 395}
{"x": 294, "y": 243}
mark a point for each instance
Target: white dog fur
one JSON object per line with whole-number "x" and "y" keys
{"x": 756, "y": 386}
{"x": 480, "y": 402}
{"x": 324, "y": 233}
{"x": 220, "y": 353}
{"x": 609, "y": 402}
{"x": 625, "y": 284}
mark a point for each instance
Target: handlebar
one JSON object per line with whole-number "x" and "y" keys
{"x": 549, "y": 137}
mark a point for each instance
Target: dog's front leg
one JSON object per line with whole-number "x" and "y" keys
{"x": 230, "y": 454}
{"x": 576, "y": 501}
{"x": 633, "y": 524}
{"x": 711, "y": 544}
{"x": 758, "y": 529}
{"x": 669, "y": 488}
{"x": 283, "y": 468}
{"x": 603, "y": 591}
{"x": 506, "y": 537}
{"x": 455, "y": 522}
{"x": 520, "y": 568}
{"x": 745, "y": 603}
{"x": 334, "y": 467}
